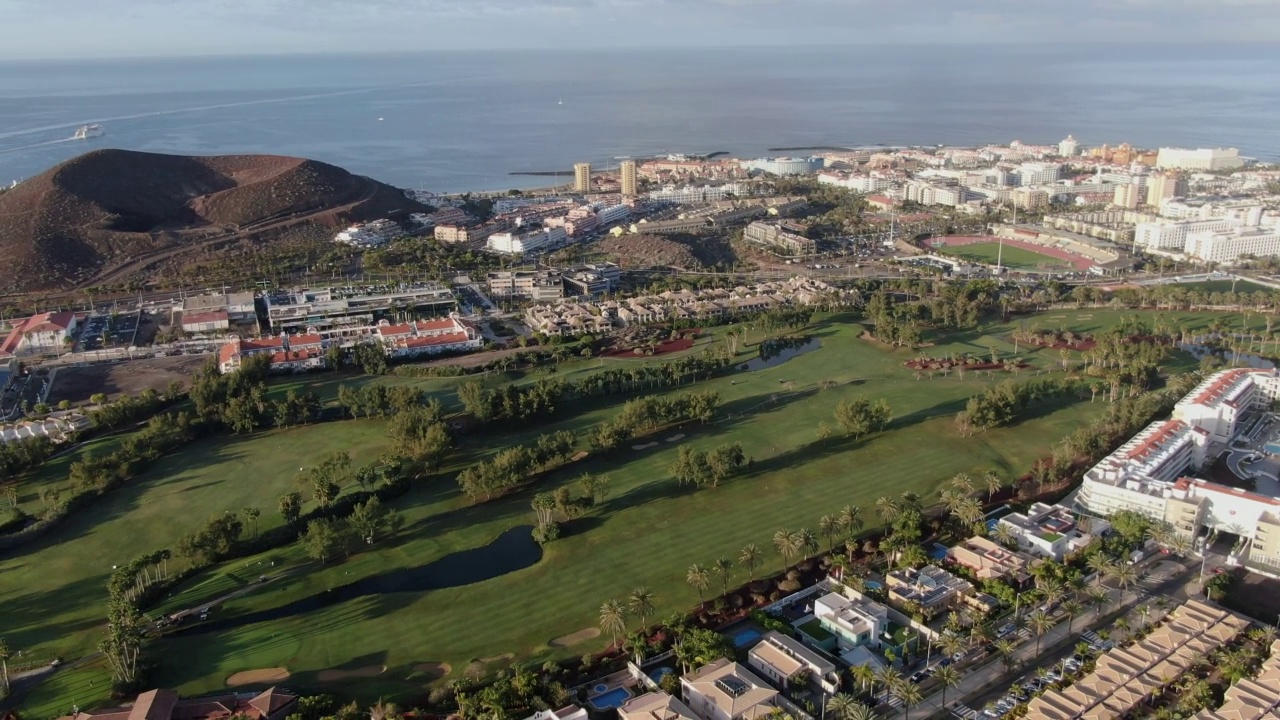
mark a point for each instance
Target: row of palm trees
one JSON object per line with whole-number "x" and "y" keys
{"x": 613, "y": 613}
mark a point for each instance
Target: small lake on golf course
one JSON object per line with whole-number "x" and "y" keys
{"x": 513, "y": 550}
{"x": 775, "y": 352}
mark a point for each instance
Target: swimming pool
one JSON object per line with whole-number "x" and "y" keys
{"x": 658, "y": 673}
{"x": 615, "y": 698}
{"x": 873, "y": 584}
{"x": 745, "y": 637}
{"x": 1272, "y": 447}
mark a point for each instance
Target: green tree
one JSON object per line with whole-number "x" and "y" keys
{"x": 724, "y": 568}
{"x": 699, "y": 577}
{"x": 640, "y": 603}
{"x": 251, "y": 515}
{"x": 613, "y": 619}
{"x": 5, "y": 654}
{"x": 1040, "y": 623}
{"x": 787, "y": 544}
{"x": 321, "y": 540}
{"x": 750, "y": 559}
{"x": 290, "y": 507}
{"x": 948, "y": 677}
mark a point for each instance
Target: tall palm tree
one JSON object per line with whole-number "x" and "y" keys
{"x": 1097, "y": 597}
{"x": 613, "y": 619}
{"x": 948, "y": 677}
{"x": 787, "y": 545}
{"x": 5, "y": 654}
{"x": 699, "y": 577}
{"x": 865, "y": 676}
{"x": 1144, "y": 611}
{"x": 1040, "y": 623}
{"x": 724, "y": 568}
{"x": 993, "y": 482}
{"x": 1101, "y": 565}
{"x": 750, "y": 559}
{"x": 641, "y": 603}
{"x": 851, "y": 520}
{"x": 963, "y": 484}
{"x": 1004, "y": 535}
{"x": 909, "y": 694}
{"x": 382, "y": 710}
{"x": 1072, "y": 608}
{"x": 888, "y": 509}
{"x": 889, "y": 677}
{"x": 829, "y": 528}
{"x": 806, "y": 542}
{"x": 1124, "y": 575}
{"x": 1005, "y": 649}
{"x": 863, "y": 712}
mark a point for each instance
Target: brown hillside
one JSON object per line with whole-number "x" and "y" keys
{"x": 108, "y": 207}
{"x": 689, "y": 252}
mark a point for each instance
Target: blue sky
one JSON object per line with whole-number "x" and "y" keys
{"x": 92, "y": 28}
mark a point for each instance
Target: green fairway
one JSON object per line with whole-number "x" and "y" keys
{"x": 54, "y": 594}
{"x": 647, "y": 533}
{"x": 1222, "y": 286}
{"x": 1017, "y": 258}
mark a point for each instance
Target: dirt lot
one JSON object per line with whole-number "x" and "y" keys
{"x": 1255, "y": 595}
{"x": 77, "y": 384}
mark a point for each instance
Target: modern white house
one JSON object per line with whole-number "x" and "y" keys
{"x": 725, "y": 690}
{"x": 854, "y": 622}
{"x": 569, "y": 712}
{"x": 781, "y": 660}
{"x": 1051, "y": 531}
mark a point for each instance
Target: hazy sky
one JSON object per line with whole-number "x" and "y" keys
{"x": 89, "y": 28}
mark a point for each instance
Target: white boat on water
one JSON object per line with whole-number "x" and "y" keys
{"x": 84, "y": 132}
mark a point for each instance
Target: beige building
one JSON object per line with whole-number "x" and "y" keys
{"x": 655, "y": 706}
{"x": 1128, "y": 196}
{"x": 1165, "y": 186}
{"x": 781, "y": 659}
{"x": 989, "y": 560}
{"x": 1029, "y": 198}
{"x": 582, "y": 177}
{"x": 627, "y": 177}
{"x": 725, "y": 690}
{"x": 536, "y": 285}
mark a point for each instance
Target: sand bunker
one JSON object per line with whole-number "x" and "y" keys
{"x": 367, "y": 671}
{"x": 645, "y": 446}
{"x": 574, "y": 638}
{"x": 579, "y": 455}
{"x": 504, "y": 657}
{"x": 433, "y": 670}
{"x": 264, "y": 676}
{"x": 676, "y": 437}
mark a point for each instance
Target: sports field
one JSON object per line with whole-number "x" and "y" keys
{"x": 648, "y": 532}
{"x": 1016, "y": 258}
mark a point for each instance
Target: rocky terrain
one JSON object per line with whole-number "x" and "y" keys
{"x": 75, "y": 223}
{"x": 689, "y": 252}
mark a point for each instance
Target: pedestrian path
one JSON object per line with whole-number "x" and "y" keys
{"x": 964, "y": 711}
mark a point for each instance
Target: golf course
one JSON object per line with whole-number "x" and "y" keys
{"x": 646, "y": 532}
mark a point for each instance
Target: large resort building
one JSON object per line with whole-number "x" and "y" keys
{"x": 1150, "y": 474}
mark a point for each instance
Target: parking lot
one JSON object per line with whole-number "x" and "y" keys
{"x": 100, "y": 332}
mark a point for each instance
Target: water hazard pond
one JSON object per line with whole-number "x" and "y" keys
{"x": 513, "y": 550}
{"x": 775, "y": 352}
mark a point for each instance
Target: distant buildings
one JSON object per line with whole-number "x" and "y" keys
{"x": 371, "y": 234}
{"x": 782, "y": 238}
{"x": 1029, "y": 198}
{"x": 785, "y": 166}
{"x": 428, "y": 337}
{"x": 466, "y": 232}
{"x": 627, "y": 177}
{"x": 1200, "y": 159}
{"x": 331, "y": 309}
{"x": 202, "y": 314}
{"x": 1217, "y": 235}
{"x": 511, "y": 243}
{"x": 270, "y": 704}
{"x": 582, "y": 177}
{"x": 690, "y": 194}
{"x": 1165, "y": 186}
{"x": 856, "y": 182}
{"x": 46, "y": 332}
{"x": 289, "y": 353}
{"x": 551, "y": 285}
{"x": 1069, "y": 147}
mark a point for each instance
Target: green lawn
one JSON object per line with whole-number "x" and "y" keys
{"x": 1017, "y": 258}
{"x": 1223, "y": 286}
{"x": 647, "y": 533}
{"x": 54, "y": 593}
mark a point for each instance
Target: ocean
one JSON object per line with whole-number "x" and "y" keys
{"x": 451, "y": 122}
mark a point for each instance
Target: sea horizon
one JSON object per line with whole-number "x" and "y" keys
{"x": 457, "y": 121}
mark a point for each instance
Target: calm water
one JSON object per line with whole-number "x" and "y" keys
{"x": 465, "y": 120}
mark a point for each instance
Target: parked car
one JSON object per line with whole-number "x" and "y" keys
{"x": 1006, "y": 630}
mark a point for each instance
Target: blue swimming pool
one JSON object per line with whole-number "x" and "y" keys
{"x": 1273, "y": 448}
{"x": 745, "y": 637}
{"x": 658, "y": 673}
{"x": 615, "y": 698}
{"x": 873, "y": 584}
{"x": 939, "y": 551}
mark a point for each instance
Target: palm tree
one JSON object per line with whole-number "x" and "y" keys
{"x": 1097, "y": 597}
{"x": 888, "y": 509}
{"x": 1125, "y": 575}
{"x": 841, "y": 706}
{"x": 1121, "y": 624}
{"x": 1004, "y": 535}
{"x": 382, "y": 710}
{"x": 1101, "y": 565}
{"x": 699, "y": 577}
{"x": 951, "y": 644}
{"x": 963, "y": 484}
{"x": 641, "y": 603}
{"x": 806, "y": 542}
{"x": 750, "y": 559}
{"x": 829, "y": 527}
{"x": 787, "y": 545}
{"x": 1005, "y": 649}
{"x": 863, "y": 712}
{"x": 851, "y": 519}
{"x": 948, "y": 677}
{"x": 889, "y": 677}
{"x": 1143, "y": 611}
{"x": 993, "y": 482}
{"x": 909, "y": 694}
{"x": 5, "y": 654}
{"x": 1040, "y": 623}
{"x": 613, "y": 618}
{"x": 724, "y": 568}
{"x": 1072, "y": 608}
{"x": 865, "y": 676}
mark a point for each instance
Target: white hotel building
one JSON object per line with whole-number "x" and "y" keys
{"x": 1148, "y": 474}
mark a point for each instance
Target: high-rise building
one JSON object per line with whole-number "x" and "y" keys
{"x": 1163, "y": 186}
{"x": 582, "y": 177}
{"x": 1128, "y": 195}
{"x": 627, "y": 172}
{"x": 1068, "y": 147}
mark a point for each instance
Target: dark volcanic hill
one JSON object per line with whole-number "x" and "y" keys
{"x": 111, "y": 206}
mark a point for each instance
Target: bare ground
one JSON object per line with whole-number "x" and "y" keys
{"x": 77, "y": 384}
{"x": 259, "y": 677}
{"x": 574, "y": 638}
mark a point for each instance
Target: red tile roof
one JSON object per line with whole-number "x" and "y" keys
{"x": 428, "y": 341}
{"x": 1151, "y": 444}
{"x": 205, "y": 317}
